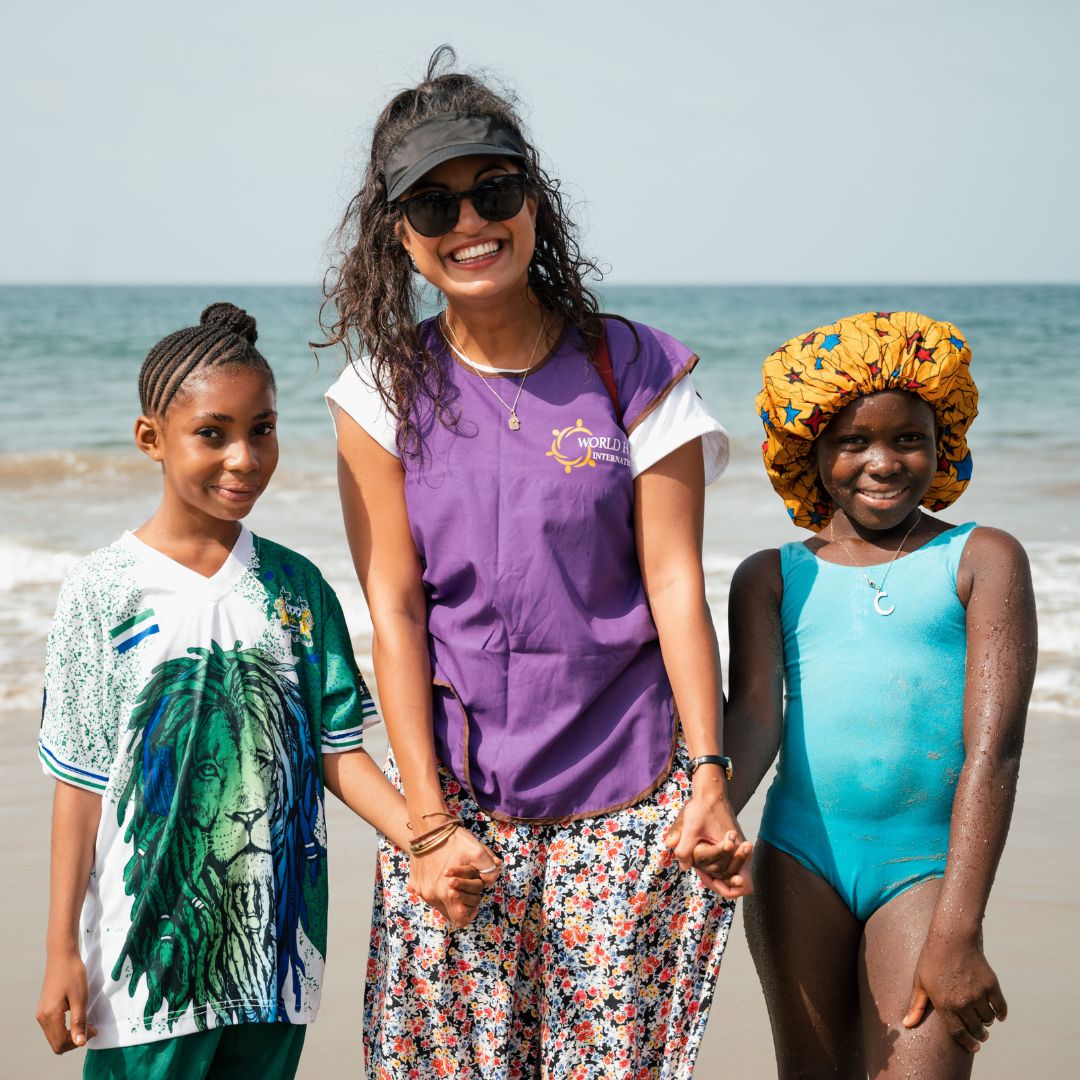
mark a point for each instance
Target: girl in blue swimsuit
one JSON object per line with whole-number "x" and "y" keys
{"x": 906, "y": 647}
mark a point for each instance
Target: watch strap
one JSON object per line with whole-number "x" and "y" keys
{"x": 713, "y": 759}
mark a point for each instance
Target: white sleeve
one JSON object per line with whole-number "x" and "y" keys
{"x": 680, "y": 417}
{"x": 79, "y": 721}
{"x": 356, "y": 395}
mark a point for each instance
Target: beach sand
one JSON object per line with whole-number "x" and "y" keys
{"x": 1031, "y": 931}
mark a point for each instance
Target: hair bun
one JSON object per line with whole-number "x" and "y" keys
{"x": 232, "y": 318}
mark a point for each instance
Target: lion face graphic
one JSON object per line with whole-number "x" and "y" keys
{"x": 225, "y": 802}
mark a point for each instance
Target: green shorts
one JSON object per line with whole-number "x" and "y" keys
{"x": 232, "y": 1052}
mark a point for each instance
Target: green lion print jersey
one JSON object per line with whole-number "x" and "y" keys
{"x": 199, "y": 708}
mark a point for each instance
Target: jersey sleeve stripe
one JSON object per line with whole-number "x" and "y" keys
{"x": 340, "y": 747}
{"x": 70, "y": 773}
{"x": 342, "y": 736}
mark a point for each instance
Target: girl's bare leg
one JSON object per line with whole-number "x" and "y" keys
{"x": 805, "y": 945}
{"x": 892, "y": 942}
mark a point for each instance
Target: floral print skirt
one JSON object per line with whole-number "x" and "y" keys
{"x": 594, "y": 957}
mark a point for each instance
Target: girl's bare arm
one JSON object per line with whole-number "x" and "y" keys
{"x": 753, "y": 721}
{"x": 359, "y": 783}
{"x": 76, "y": 813}
{"x": 952, "y": 973}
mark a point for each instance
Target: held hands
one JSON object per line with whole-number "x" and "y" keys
{"x": 65, "y": 991}
{"x": 452, "y": 877}
{"x": 707, "y": 837}
{"x": 953, "y": 977}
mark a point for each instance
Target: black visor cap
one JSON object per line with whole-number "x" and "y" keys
{"x": 442, "y": 138}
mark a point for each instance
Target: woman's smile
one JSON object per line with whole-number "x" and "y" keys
{"x": 477, "y": 254}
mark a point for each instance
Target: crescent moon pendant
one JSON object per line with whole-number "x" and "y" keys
{"x": 877, "y": 603}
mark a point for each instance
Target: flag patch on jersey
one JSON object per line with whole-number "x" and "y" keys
{"x": 130, "y": 632}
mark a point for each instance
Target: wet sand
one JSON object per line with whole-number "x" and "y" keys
{"x": 1031, "y": 930}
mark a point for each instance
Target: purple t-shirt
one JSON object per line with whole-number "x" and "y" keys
{"x": 551, "y": 699}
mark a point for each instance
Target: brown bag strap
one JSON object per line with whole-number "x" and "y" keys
{"x": 601, "y": 360}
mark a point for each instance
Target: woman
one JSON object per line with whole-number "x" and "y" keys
{"x": 525, "y": 516}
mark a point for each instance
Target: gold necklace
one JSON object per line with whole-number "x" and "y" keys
{"x": 513, "y": 423}
{"x": 878, "y": 587}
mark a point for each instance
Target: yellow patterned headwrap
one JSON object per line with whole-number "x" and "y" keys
{"x": 812, "y": 377}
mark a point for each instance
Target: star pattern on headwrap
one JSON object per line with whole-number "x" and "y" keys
{"x": 817, "y": 419}
{"x": 866, "y": 354}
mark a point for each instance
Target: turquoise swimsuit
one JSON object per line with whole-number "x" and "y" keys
{"x": 873, "y": 742}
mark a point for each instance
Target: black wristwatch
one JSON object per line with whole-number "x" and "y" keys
{"x": 713, "y": 759}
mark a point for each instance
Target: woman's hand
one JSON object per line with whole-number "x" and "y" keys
{"x": 707, "y": 837}
{"x": 453, "y": 876}
{"x": 64, "y": 991}
{"x": 955, "y": 978}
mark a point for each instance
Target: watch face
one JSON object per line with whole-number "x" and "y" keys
{"x": 713, "y": 759}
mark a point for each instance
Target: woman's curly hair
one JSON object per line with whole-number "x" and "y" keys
{"x": 372, "y": 297}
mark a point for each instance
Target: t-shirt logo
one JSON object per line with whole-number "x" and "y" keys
{"x": 295, "y": 616}
{"x": 576, "y": 446}
{"x": 565, "y": 449}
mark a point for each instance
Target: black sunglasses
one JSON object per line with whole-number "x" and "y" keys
{"x": 435, "y": 213}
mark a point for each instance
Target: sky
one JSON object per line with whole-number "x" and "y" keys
{"x": 773, "y": 141}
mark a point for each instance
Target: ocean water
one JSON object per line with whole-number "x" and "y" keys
{"x": 71, "y": 480}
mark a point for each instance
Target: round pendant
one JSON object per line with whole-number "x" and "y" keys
{"x": 513, "y": 423}
{"x": 877, "y": 603}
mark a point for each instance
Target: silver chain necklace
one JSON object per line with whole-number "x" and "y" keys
{"x": 513, "y": 423}
{"x": 878, "y": 587}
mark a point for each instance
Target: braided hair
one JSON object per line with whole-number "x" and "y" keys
{"x": 371, "y": 296}
{"x": 225, "y": 335}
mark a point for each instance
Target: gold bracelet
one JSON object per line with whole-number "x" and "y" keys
{"x": 437, "y": 840}
{"x": 438, "y": 828}
{"x": 429, "y": 841}
{"x": 437, "y": 831}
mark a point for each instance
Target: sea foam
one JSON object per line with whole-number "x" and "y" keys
{"x": 22, "y": 565}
